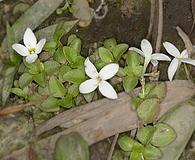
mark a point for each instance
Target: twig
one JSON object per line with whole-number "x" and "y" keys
{"x": 186, "y": 40}
{"x": 151, "y": 23}
{"x": 159, "y": 35}
{"x": 193, "y": 15}
{"x": 112, "y": 147}
{"x": 160, "y": 27}
{"x": 20, "y": 107}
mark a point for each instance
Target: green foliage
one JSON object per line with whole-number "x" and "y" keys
{"x": 148, "y": 110}
{"x": 119, "y": 50}
{"x": 19, "y": 92}
{"x": 51, "y": 104}
{"x": 56, "y": 88}
{"x": 25, "y": 79}
{"x": 145, "y": 134}
{"x": 163, "y": 135}
{"x": 105, "y": 55}
{"x": 151, "y": 152}
{"x": 51, "y": 67}
{"x": 75, "y": 76}
{"x": 71, "y": 147}
{"x": 126, "y": 143}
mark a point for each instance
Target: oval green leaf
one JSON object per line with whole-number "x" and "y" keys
{"x": 163, "y": 135}
{"x": 126, "y": 143}
{"x": 56, "y": 88}
{"x": 71, "y": 147}
{"x": 148, "y": 110}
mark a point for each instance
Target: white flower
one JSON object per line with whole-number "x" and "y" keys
{"x": 31, "y": 48}
{"x": 178, "y": 58}
{"x": 99, "y": 79}
{"x": 146, "y": 51}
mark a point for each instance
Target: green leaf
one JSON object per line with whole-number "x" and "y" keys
{"x": 75, "y": 76}
{"x": 49, "y": 46}
{"x": 148, "y": 110}
{"x": 71, "y": 38}
{"x": 129, "y": 83}
{"x": 14, "y": 57}
{"x": 25, "y": 79}
{"x": 51, "y": 104}
{"x": 89, "y": 97}
{"x": 105, "y": 55}
{"x": 63, "y": 69}
{"x": 48, "y": 32}
{"x": 110, "y": 43}
{"x": 119, "y": 50}
{"x": 51, "y": 67}
{"x": 159, "y": 91}
{"x": 147, "y": 89}
{"x": 34, "y": 68}
{"x": 66, "y": 102}
{"x": 43, "y": 90}
{"x": 136, "y": 101}
{"x": 19, "y": 92}
{"x": 59, "y": 56}
{"x": 99, "y": 64}
{"x": 136, "y": 155}
{"x": 71, "y": 146}
{"x": 163, "y": 135}
{"x": 56, "y": 88}
{"x": 145, "y": 134}
{"x": 73, "y": 90}
{"x": 135, "y": 71}
{"x": 59, "y": 32}
{"x": 70, "y": 54}
{"x": 79, "y": 62}
{"x": 40, "y": 79}
{"x": 126, "y": 143}
{"x": 138, "y": 147}
{"x": 151, "y": 152}
{"x": 76, "y": 45}
{"x": 121, "y": 72}
{"x": 133, "y": 59}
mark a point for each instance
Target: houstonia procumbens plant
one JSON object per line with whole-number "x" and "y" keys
{"x": 58, "y": 72}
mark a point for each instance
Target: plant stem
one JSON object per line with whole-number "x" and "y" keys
{"x": 142, "y": 81}
{"x": 187, "y": 72}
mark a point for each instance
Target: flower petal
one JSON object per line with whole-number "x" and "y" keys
{"x": 31, "y": 58}
{"x": 90, "y": 69}
{"x": 29, "y": 38}
{"x": 108, "y": 71}
{"x": 189, "y": 61}
{"x": 20, "y": 49}
{"x": 107, "y": 90}
{"x": 39, "y": 46}
{"x": 173, "y": 68}
{"x": 136, "y": 50}
{"x": 184, "y": 54}
{"x": 146, "y": 62}
{"x": 154, "y": 62}
{"x": 171, "y": 49}
{"x": 146, "y": 47}
{"x": 88, "y": 86}
{"x": 160, "y": 57}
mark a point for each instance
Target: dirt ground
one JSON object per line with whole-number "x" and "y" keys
{"x": 125, "y": 21}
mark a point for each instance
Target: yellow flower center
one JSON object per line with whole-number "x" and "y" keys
{"x": 99, "y": 79}
{"x": 31, "y": 50}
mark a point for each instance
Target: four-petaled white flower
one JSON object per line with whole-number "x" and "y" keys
{"x": 146, "y": 51}
{"x": 31, "y": 48}
{"x": 99, "y": 79}
{"x": 178, "y": 58}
